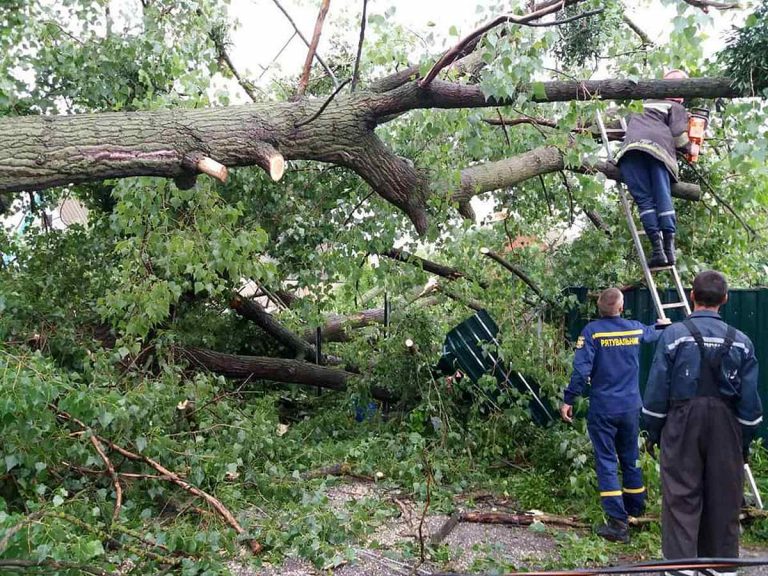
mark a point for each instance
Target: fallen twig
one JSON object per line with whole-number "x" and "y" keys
{"x": 115, "y": 480}
{"x": 523, "y": 519}
{"x": 170, "y": 477}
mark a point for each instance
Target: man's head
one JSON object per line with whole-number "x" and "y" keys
{"x": 610, "y": 302}
{"x": 675, "y": 75}
{"x": 710, "y": 290}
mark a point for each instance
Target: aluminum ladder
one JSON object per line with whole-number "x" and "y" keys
{"x": 661, "y": 309}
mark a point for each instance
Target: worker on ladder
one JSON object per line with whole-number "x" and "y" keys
{"x": 647, "y": 161}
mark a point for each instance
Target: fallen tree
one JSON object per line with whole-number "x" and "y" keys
{"x": 37, "y": 152}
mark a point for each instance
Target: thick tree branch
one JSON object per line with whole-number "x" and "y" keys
{"x": 273, "y": 369}
{"x": 446, "y": 95}
{"x": 511, "y": 171}
{"x": 255, "y": 312}
{"x": 304, "y": 80}
{"x": 38, "y": 152}
{"x": 448, "y": 272}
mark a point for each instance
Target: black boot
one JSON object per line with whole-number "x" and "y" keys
{"x": 669, "y": 247}
{"x": 657, "y": 259}
{"x": 614, "y": 531}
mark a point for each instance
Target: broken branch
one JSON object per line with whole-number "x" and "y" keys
{"x": 304, "y": 80}
{"x": 356, "y": 69}
{"x": 115, "y": 480}
{"x": 212, "y": 168}
{"x": 517, "y": 272}
{"x": 328, "y": 71}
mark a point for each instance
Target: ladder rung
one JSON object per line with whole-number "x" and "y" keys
{"x": 661, "y": 268}
{"x": 673, "y": 305}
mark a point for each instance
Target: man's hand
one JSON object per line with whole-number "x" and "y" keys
{"x": 652, "y": 441}
{"x": 566, "y": 413}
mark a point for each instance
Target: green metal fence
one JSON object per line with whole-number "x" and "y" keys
{"x": 746, "y": 309}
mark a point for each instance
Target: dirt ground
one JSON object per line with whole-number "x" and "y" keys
{"x": 469, "y": 548}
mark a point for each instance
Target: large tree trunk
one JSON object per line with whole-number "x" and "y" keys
{"x": 37, "y": 152}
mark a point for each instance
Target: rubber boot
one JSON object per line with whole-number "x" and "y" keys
{"x": 657, "y": 259}
{"x": 669, "y": 247}
{"x": 614, "y": 531}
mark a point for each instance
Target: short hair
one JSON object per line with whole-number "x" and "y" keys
{"x": 710, "y": 288}
{"x": 610, "y": 301}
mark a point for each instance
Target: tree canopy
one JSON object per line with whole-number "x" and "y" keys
{"x": 148, "y": 352}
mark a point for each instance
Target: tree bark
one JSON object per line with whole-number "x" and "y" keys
{"x": 255, "y": 312}
{"x": 442, "y": 270}
{"x": 273, "y": 369}
{"x": 336, "y": 327}
{"x": 545, "y": 160}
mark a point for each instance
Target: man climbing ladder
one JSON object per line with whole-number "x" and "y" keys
{"x": 647, "y": 161}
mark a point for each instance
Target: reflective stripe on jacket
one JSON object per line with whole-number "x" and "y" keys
{"x": 675, "y": 371}
{"x": 608, "y": 358}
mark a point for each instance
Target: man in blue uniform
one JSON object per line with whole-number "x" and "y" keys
{"x": 607, "y": 357}
{"x": 647, "y": 162}
{"x": 702, "y": 404}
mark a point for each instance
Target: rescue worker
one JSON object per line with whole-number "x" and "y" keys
{"x": 702, "y": 404}
{"x": 607, "y": 357}
{"x": 647, "y": 161}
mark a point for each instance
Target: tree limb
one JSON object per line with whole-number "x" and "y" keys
{"x": 705, "y": 5}
{"x": 328, "y": 71}
{"x": 448, "y": 272}
{"x": 113, "y": 474}
{"x": 224, "y": 55}
{"x": 272, "y": 369}
{"x": 517, "y": 272}
{"x": 644, "y": 38}
{"x": 304, "y": 80}
{"x": 470, "y": 42}
{"x": 506, "y": 173}
{"x": 356, "y": 68}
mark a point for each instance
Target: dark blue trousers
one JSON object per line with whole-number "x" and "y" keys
{"x": 614, "y": 440}
{"x": 648, "y": 181}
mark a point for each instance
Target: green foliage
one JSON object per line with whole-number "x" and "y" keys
{"x": 90, "y": 316}
{"x": 745, "y": 58}
{"x": 583, "y": 41}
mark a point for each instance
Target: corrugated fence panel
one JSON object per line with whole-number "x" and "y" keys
{"x": 746, "y": 309}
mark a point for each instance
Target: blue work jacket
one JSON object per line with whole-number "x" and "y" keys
{"x": 608, "y": 358}
{"x": 676, "y": 365}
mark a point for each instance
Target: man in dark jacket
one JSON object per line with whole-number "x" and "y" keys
{"x": 607, "y": 357}
{"x": 702, "y": 404}
{"x": 647, "y": 161}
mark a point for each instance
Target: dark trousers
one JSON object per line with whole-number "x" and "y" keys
{"x": 648, "y": 181}
{"x": 614, "y": 440}
{"x": 702, "y": 480}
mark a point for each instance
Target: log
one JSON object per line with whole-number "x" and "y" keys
{"x": 524, "y": 519}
